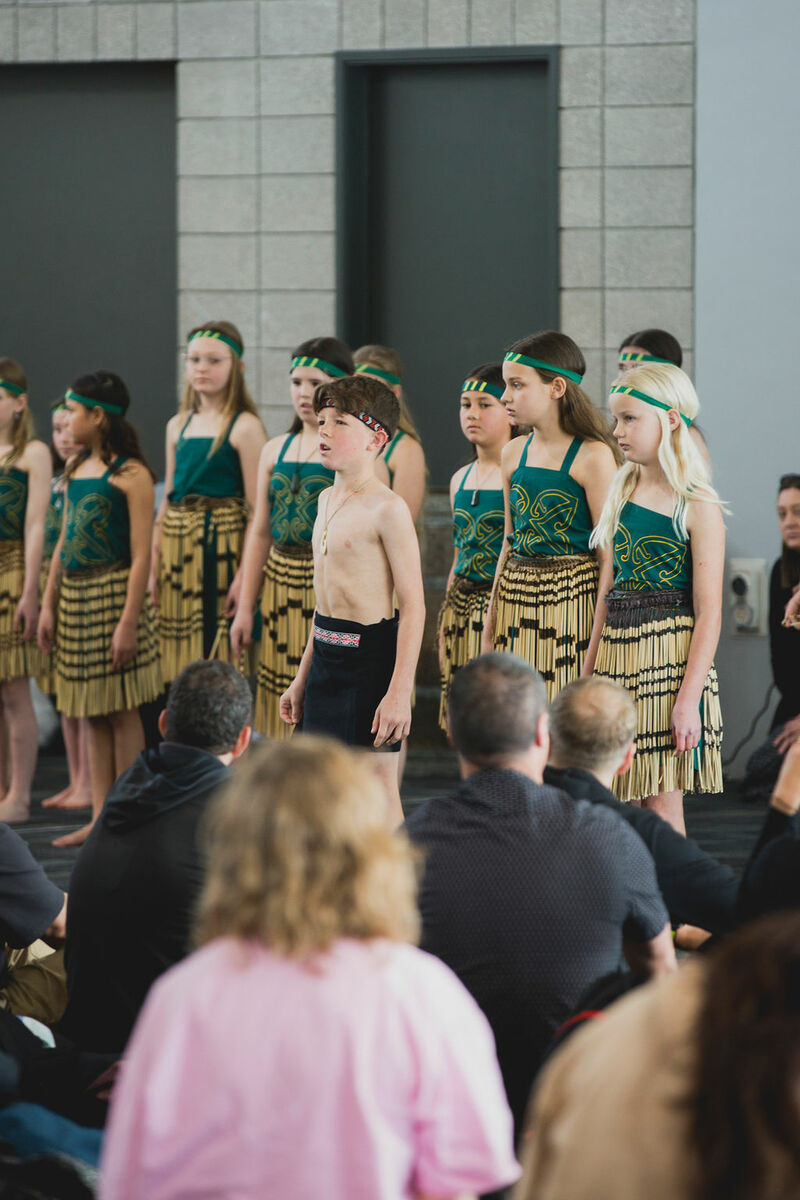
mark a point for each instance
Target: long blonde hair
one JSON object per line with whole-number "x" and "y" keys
{"x": 23, "y": 422}
{"x": 237, "y": 398}
{"x": 680, "y": 460}
{"x": 300, "y": 854}
{"x": 387, "y": 359}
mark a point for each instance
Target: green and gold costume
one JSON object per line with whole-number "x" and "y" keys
{"x": 52, "y": 531}
{"x": 18, "y": 659}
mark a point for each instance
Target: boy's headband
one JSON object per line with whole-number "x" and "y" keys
{"x": 543, "y": 366}
{"x": 619, "y": 390}
{"x": 320, "y": 365}
{"x": 370, "y": 421}
{"x": 12, "y": 387}
{"x": 111, "y": 408}
{"x": 480, "y": 385}
{"x": 386, "y": 376}
{"x": 628, "y": 356}
{"x": 218, "y": 337}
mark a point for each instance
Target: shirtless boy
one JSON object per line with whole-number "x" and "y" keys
{"x": 357, "y": 672}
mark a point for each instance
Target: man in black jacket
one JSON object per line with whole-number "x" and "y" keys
{"x": 137, "y": 877}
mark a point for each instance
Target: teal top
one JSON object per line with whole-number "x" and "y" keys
{"x": 648, "y": 554}
{"x": 198, "y": 472}
{"x": 478, "y": 523}
{"x": 549, "y": 510}
{"x": 389, "y": 451}
{"x": 97, "y": 533}
{"x": 13, "y": 502}
{"x": 293, "y": 493}
{"x": 54, "y": 518}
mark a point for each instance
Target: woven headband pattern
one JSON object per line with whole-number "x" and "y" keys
{"x": 618, "y": 390}
{"x": 630, "y": 357}
{"x": 319, "y": 364}
{"x": 386, "y": 376}
{"x": 89, "y": 403}
{"x": 543, "y": 366}
{"x": 218, "y": 337}
{"x": 370, "y": 421}
{"x": 480, "y": 385}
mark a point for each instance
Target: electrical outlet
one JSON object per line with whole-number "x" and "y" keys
{"x": 747, "y": 596}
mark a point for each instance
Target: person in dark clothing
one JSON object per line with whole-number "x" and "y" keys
{"x": 31, "y": 908}
{"x": 527, "y": 895}
{"x": 771, "y": 878}
{"x": 592, "y": 732}
{"x": 136, "y": 879}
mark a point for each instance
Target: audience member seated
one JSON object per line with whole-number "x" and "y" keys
{"x": 305, "y": 1050}
{"x": 137, "y": 877}
{"x": 688, "y": 1089}
{"x": 592, "y": 730}
{"x": 771, "y": 879}
{"x": 528, "y": 894}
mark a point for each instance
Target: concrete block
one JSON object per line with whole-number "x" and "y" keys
{"x": 299, "y": 26}
{"x": 116, "y": 31}
{"x": 217, "y": 205}
{"x": 582, "y": 315}
{"x": 217, "y": 29}
{"x": 581, "y": 202}
{"x": 643, "y": 308}
{"x": 224, "y": 147}
{"x": 156, "y": 31}
{"x": 275, "y": 387}
{"x": 649, "y": 75}
{"x": 297, "y": 261}
{"x": 648, "y": 196}
{"x": 36, "y": 34}
{"x": 581, "y": 258}
{"x": 448, "y": 23}
{"x": 362, "y": 25}
{"x": 8, "y": 36}
{"x": 217, "y": 88}
{"x": 581, "y": 137}
{"x": 492, "y": 23}
{"x": 581, "y": 22}
{"x": 297, "y": 203}
{"x": 649, "y": 21}
{"x": 649, "y": 137}
{"x": 536, "y": 22}
{"x": 296, "y": 86}
{"x": 594, "y": 381}
{"x": 581, "y": 76}
{"x": 648, "y": 258}
{"x": 297, "y": 145}
{"x": 276, "y": 417}
{"x": 196, "y": 308}
{"x": 288, "y": 318}
{"x": 404, "y": 23}
{"x": 75, "y": 34}
{"x": 611, "y": 361}
{"x": 209, "y": 262}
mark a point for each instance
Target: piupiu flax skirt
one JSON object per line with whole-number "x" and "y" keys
{"x": 461, "y": 620}
{"x": 644, "y": 646}
{"x": 18, "y": 659}
{"x": 89, "y": 608}
{"x": 287, "y": 606}
{"x": 545, "y": 609}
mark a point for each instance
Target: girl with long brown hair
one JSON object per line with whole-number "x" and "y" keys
{"x": 401, "y": 466}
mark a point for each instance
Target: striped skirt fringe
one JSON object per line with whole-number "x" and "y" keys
{"x": 89, "y": 609}
{"x": 645, "y": 646}
{"x": 460, "y": 628}
{"x": 18, "y": 659}
{"x": 287, "y": 607}
{"x": 545, "y": 609}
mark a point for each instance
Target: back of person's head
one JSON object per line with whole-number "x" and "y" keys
{"x": 656, "y": 343}
{"x": 209, "y": 705}
{"x": 494, "y": 708}
{"x": 592, "y": 724}
{"x": 364, "y": 397}
{"x": 14, "y": 380}
{"x": 744, "y": 1098}
{"x": 330, "y": 352}
{"x": 299, "y": 853}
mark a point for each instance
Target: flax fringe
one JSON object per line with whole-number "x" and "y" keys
{"x": 460, "y": 628}
{"x": 287, "y": 607}
{"x": 18, "y": 659}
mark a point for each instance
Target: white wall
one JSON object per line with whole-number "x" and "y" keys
{"x": 747, "y": 329}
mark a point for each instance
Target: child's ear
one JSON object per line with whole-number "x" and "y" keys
{"x": 674, "y": 419}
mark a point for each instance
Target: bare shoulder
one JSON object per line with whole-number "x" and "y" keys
{"x": 704, "y": 517}
{"x": 173, "y": 426}
{"x": 512, "y": 453}
{"x": 458, "y": 478}
{"x": 247, "y": 427}
{"x": 273, "y": 447}
{"x": 35, "y": 457}
{"x": 132, "y": 474}
{"x": 593, "y": 456}
{"x": 409, "y": 450}
{"x": 390, "y": 510}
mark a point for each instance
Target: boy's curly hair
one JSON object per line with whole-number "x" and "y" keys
{"x": 358, "y": 394}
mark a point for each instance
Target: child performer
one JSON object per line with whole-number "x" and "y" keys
{"x": 658, "y": 346}
{"x": 476, "y": 500}
{"x": 357, "y": 672}
{"x": 402, "y": 464}
{"x": 24, "y": 491}
{"x": 290, "y": 479}
{"x": 661, "y": 627}
{"x": 107, "y": 659}
{"x": 213, "y": 444}
{"x": 555, "y": 482}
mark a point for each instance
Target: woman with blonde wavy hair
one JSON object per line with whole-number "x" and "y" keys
{"x": 656, "y": 629}
{"x": 306, "y": 1049}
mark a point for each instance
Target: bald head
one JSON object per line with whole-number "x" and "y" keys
{"x": 592, "y": 724}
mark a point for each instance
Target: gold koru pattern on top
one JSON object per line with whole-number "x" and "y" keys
{"x": 13, "y": 492}
{"x": 90, "y": 544}
{"x": 294, "y": 513}
{"x": 548, "y": 519}
{"x": 650, "y": 561}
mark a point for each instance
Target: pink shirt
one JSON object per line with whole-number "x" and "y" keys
{"x": 370, "y": 1075}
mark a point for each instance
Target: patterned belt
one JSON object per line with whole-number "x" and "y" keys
{"x": 333, "y": 637}
{"x": 97, "y": 569}
{"x": 205, "y": 503}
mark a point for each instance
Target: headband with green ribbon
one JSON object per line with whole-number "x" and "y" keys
{"x": 543, "y": 366}
{"x": 218, "y": 337}
{"x": 59, "y": 406}
{"x": 630, "y": 357}
{"x": 386, "y": 376}
{"x": 619, "y": 390}
{"x": 12, "y": 387}
{"x": 480, "y": 385}
{"x": 320, "y": 365}
{"x": 111, "y": 408}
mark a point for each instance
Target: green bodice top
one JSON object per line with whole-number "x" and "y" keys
{"x": 549, "y": 510}
{"x": 478, "y": 523}
{"x": 293, "y": 493}
{"x": 198, "y": 472}
{"x": 648, "y": 554}
{"x": 13, "y": 502}
{"x": 98, "y": 524}
{"x": 54, "y": 518}
{"x": 389, "y": 450}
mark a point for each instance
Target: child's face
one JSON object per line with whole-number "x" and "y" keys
{"x": 628, "y": 366}
{"x": 208, "y": 367}
{"x": 484, "y": 419}
{"x": 82, "y": 422}
{"x": 789, "y": 517}
{"x": 528, "y": 399}
{"x": 62, "y": 434}
{"x": 343, "y": 439}
{"x": 303, "y": 382}
{"x": 637, "y": 429}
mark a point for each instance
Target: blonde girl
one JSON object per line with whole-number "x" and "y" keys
{"x": 402, "y": 464}
{"x": 212, "y": 450}
{"x": 657, "y": 627}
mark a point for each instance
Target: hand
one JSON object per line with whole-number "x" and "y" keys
{"x": 47, "y": 628}
{"x": 123, "y": 645}
{"x": 292, "y": 703}
{"x": 392, "y": 720}
{"x": 686, "y": 725}
{"x": 786, "y": 795}
{"x": 232, "y": 598}
{"x": 791, "y": 614}
{"x": 787, "y": 736}
{"x": 27, "y": 616}
{"x": 241, "y": 632}
{"x": 152, "y": 587}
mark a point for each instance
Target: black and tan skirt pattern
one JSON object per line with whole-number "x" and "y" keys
{"x": 89, "y": 608}
{"x": 545, "y": 609}
{"x": 18, "y": 659}
{"x": 201, "y": 547}
{"x": 287, "y": 607}
{"x": 645, "y": 646}
{"x": 461, "y": 620}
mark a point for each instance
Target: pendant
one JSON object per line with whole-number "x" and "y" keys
{"x": 475, "y": 498}
{"x": 295, "y": 483}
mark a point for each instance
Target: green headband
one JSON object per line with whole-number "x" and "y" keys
{"x": 60, "y": 407}
{"x": 480, "y": 385}
{"x": 543, "y": 366}
{"x": 386, "y": 376}
{"x": 12, "y": 387}
{"x": 628, "y": 356}
{"x": 219, "y": 337}
{"x": 626, "y": 391}
{"x": 320, "y": 365}
{"x": 111, "y": 408}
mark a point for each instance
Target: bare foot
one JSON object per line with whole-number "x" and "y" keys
{"x": 69, "y": 799}
{"x": 76, "y": 838}
{"x": 59, "y": 798}
{"x": 14, "y": 810}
